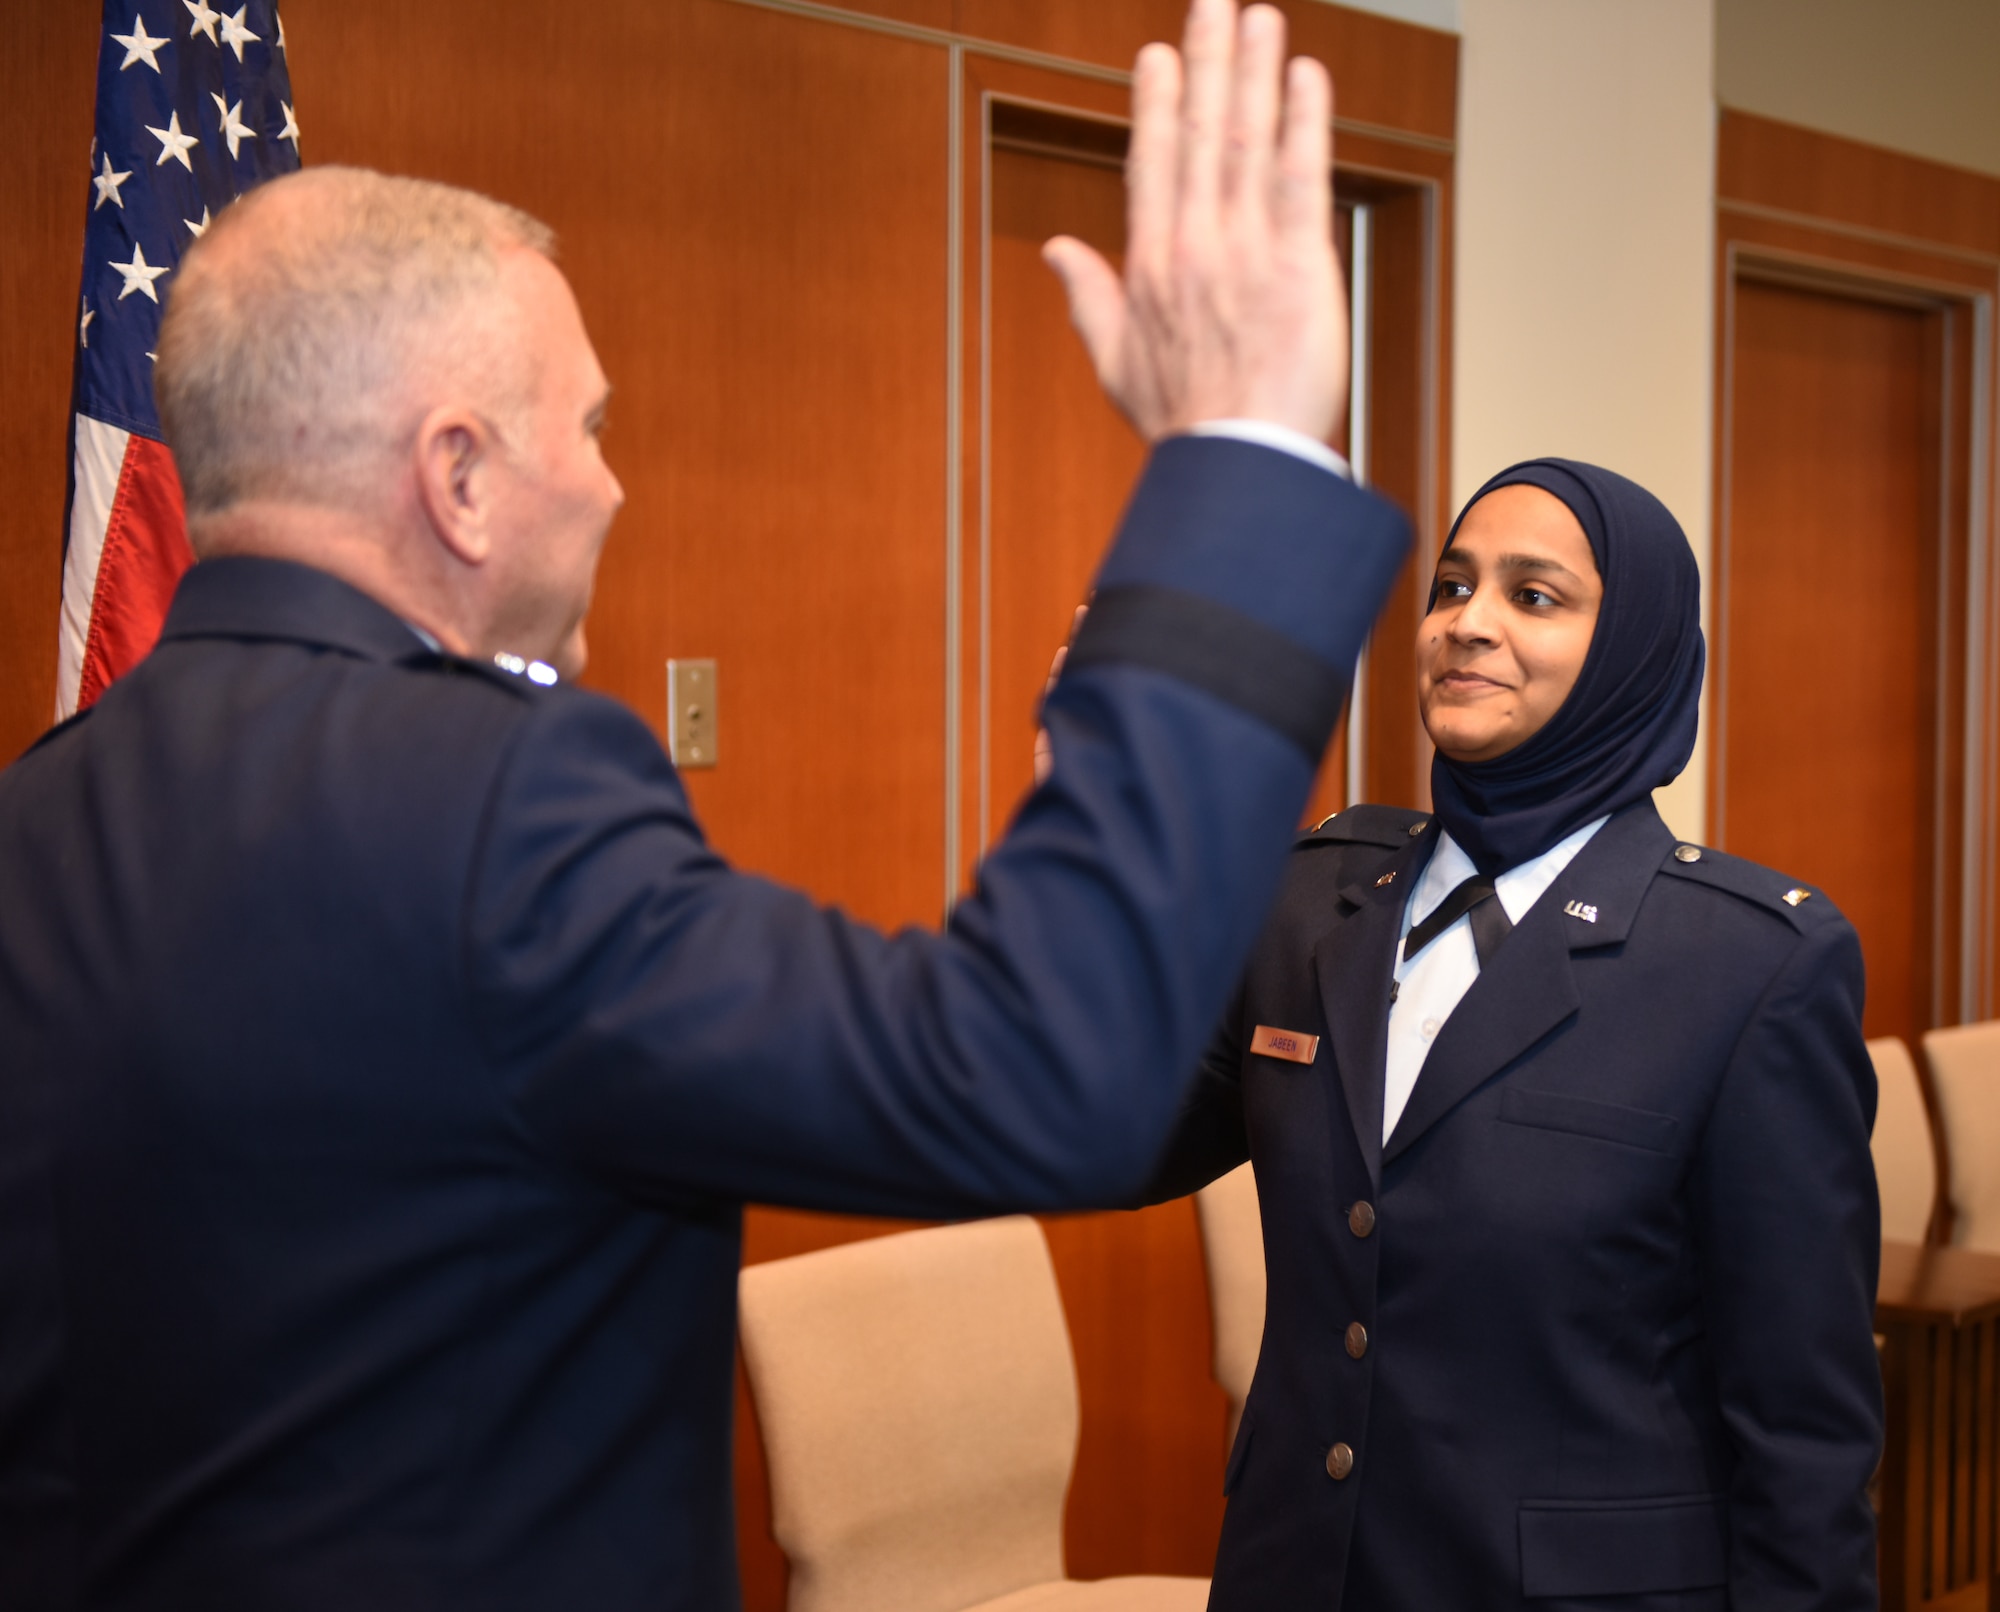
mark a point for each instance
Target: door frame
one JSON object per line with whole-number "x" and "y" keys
{"x": 1372, "y": 166}
{"x": 1799, "y": 208}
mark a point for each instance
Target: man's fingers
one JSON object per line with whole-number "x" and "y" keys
{"x": 1303, "y": 203}
{"x": 1055, "y": 668}
{"x": 1253, "y": 109}
{"x": 1152, "y": 162}
{"x": 1207, "y": 54}
{"x": 1096, "y": 300}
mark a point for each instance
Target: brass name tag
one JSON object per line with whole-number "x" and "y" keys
{"x": 1287, "y": 1044}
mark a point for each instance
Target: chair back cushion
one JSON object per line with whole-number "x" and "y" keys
{"x": 1965, "y": 1078}
{"x": 918, "y": 1405}
{"x": 1905, "y": 1165}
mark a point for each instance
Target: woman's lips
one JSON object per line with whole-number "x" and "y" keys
{"x": 1467, "y": 683}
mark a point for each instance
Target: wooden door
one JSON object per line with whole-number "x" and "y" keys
{"x": 1060, "y": 463}
{"x": 1060, "y": 460}
{"x": 1833, "y": 613}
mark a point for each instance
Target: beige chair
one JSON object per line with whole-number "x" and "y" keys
{"x": 1965, "y": 1079}
{"x": 1232, "y": 1243}
{"x": 918, "y": 1404}
{"x": 1905, "y": 1161}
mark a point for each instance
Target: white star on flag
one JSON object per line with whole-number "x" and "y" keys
{"x": 83, "y": 324}
{"x": 139, "y": 274}
{"x": 291, "y": 129}
{"x": 236, "y": 34}
{"x": 234, "y": 129}
{"x": 173, "y": 143}
{"x": 140, "y": 46}
{"x": 204, "y": 19}
{"x": 107, "y": 184}
{"x": 197, "y": 230}
{"x": 281, "y": 33}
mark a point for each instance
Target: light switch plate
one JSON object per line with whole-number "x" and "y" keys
{"x": 692, "y": 722}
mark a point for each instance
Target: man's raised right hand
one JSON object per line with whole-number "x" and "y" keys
{"x": 1231, "y": 304}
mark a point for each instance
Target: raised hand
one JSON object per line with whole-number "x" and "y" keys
{"x": 1231, "y": 305}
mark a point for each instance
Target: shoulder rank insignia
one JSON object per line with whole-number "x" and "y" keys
{"x": 535, "y": 671}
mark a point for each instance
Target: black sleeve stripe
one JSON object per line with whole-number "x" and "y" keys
{"x": 1222, "y": 651}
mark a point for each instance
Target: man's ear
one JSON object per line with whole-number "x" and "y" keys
{"x": 455, "y": 453}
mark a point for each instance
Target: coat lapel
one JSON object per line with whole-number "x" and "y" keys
{"x": 1531, "y": 988}
{"x": 1355, "y": 962}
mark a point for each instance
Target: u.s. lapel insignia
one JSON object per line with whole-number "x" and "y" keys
{"x": 1580, "y": 909}
{"x": 1291, "y": 1045}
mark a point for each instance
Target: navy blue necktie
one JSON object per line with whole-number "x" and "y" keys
{"x": 1475, "y": 898}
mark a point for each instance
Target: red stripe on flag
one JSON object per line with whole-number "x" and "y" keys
{"x": 145, "y": 555}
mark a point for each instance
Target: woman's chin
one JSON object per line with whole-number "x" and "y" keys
{"x": 1469, "y": 748}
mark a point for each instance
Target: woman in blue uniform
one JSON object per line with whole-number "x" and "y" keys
{"x": 1561, "y": 1136}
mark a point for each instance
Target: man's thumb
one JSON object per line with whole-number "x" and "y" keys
{"x": 1096, "y": 300}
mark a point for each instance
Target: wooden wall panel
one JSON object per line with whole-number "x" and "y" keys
{"x": 754, "y": 211}
{"x": 47, "y": 78}
{"x": 1147, "y": 1493}
{"x": 1802, "y": 171}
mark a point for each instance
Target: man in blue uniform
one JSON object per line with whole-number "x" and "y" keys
{"x": 387, "y": 1056}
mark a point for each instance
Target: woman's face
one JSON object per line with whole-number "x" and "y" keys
{"x": 1516, "y": 604}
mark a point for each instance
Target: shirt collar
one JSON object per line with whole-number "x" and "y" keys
{"x": 247, "y": 596}
{"x": 1519, "y": 888}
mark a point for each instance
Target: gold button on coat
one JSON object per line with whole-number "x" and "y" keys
{"x": 1687, "y": 853}
{"x": 1357, "y": 1339}
{"x": 1361, "y": 1218}
{"x": 1339, "y": 1462}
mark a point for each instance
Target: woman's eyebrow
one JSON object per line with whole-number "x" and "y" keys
{"x": 1536, "y": 562}
{"x": 1539, "y": 563}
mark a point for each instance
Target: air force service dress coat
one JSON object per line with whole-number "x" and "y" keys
{"x": 1593, "y": 1328}
{"x": 386, "y": 1057}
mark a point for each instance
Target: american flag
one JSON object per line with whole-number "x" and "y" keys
{"x": 194, "y": 107}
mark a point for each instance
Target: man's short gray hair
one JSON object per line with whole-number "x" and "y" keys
{"x": 297, "y": 322}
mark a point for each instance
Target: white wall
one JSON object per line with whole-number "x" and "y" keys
{"x": 1583, "y": 290}
{"x": 1921, "y": 76}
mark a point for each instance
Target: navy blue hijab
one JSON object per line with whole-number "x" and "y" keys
{"x": 1628, "y": 725}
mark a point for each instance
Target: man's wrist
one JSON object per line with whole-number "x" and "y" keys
{"x": 1269, "y": 434}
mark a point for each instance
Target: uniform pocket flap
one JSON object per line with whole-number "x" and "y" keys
{"x": 1584, "y": 1116}
{"x": 1623, "y": 1547}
